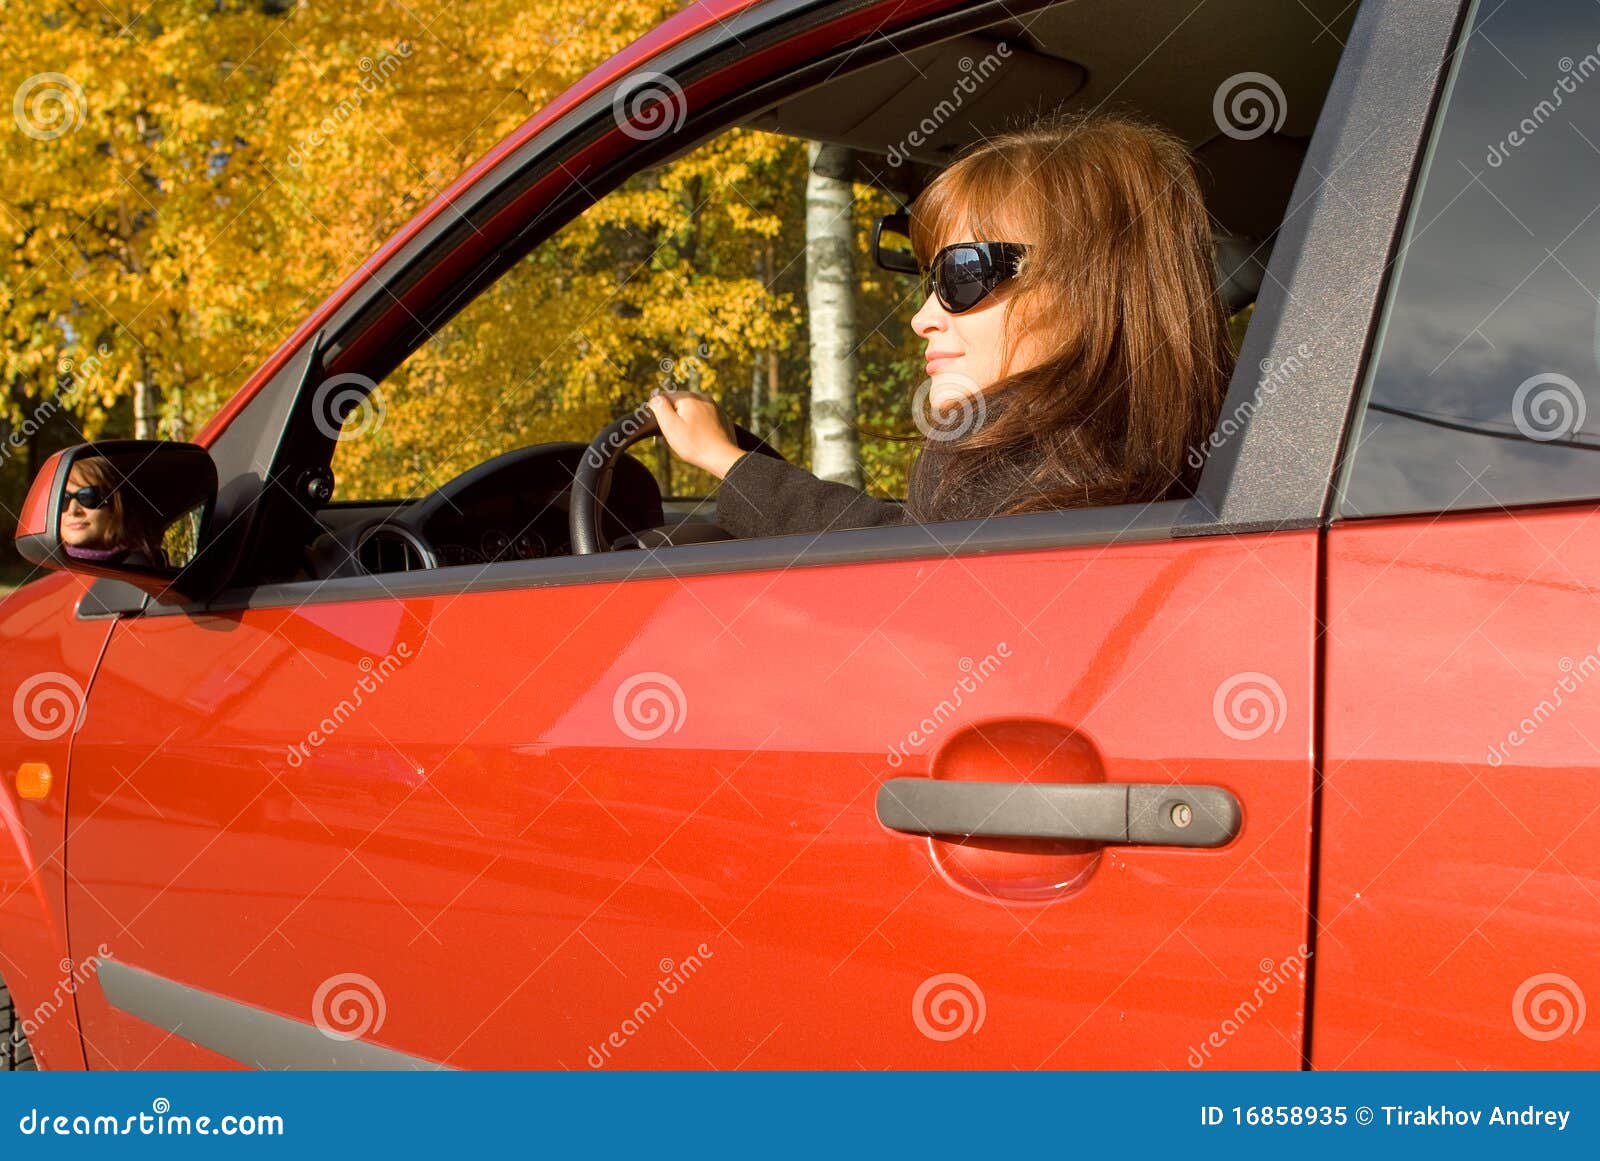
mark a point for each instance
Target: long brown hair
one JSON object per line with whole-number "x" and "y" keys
{"x": 1120, "y": 277}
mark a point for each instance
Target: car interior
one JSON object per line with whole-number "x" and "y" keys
{"x": 1172, "y": 65}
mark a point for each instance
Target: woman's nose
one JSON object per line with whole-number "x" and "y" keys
{"x": 929, "y": 319}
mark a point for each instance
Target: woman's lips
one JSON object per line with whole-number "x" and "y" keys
{"x": 934, "y": 362}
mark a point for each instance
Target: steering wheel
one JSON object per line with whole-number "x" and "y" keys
{"x": 592, "y": 481}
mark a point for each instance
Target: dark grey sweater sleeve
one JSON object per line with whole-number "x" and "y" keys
{"x": 763, "y": 496}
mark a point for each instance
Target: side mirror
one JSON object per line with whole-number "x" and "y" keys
{"x": 891, "y": 244}
{"x": 136, "y": 510}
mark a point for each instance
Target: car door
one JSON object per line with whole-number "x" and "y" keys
{"x": 633, "y": 822}
{"x": 48, "y": 666}
{"x": 1461, "y": 841}
{"x": 664, "y": 809}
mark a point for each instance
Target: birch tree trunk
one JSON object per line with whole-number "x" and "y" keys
{"x": 831, "y": 308}
{"x": 763, "y": 368}
{"x": 144, "y": 402}
{"x": 144, "y": 391}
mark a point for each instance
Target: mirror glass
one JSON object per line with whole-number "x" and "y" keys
{"x": 891, "y": 244}
{"x": 130, "y": 509}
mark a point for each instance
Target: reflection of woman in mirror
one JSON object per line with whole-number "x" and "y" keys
{"x": 103, "y": 521}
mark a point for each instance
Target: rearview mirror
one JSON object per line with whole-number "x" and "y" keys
{"x": 137, "y": 510}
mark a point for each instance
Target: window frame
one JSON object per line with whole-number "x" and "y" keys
{"x": 1276, "y": 473}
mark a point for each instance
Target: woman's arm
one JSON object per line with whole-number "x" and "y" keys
{"x": 761, "y": 496}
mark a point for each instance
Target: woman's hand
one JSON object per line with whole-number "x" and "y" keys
{"x": 697, "y": 429}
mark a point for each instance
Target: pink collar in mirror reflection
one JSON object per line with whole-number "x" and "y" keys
{"x": 78, "y": 553}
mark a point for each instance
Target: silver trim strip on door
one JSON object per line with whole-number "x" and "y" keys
{"x": 249, "y": 1035}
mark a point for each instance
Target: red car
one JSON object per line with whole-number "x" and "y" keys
{"x": 1297, "y": 772}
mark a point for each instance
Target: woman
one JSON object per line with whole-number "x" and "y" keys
{"x": 1075, "y": 341}
{"x": 100, "y": 523}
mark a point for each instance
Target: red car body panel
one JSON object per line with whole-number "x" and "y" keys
{"x": 1460, "y": 868}
{"x": 35, "y": 514}
{"x": 485, "y": 843}
{"x": 49, "y": 664}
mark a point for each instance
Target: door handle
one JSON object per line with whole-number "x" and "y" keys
{"x": 1145, "y": 813}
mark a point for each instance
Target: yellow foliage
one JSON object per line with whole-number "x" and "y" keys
{"x": 184, "y": 188}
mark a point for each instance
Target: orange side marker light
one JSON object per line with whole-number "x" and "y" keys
{"x": 33, "y": 780}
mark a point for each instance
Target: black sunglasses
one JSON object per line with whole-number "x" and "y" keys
{"x": 89, "y": 496}
{"x": 961, "y": 275}
{"x": 965, "y": 274}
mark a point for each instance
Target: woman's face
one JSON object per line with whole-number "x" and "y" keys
{"x": 84, "y": 527}
{"x": 966, "y": 352}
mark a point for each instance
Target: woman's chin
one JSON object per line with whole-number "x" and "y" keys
{"x": 945, "y": 400}
{"x": 951, "y": 385}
